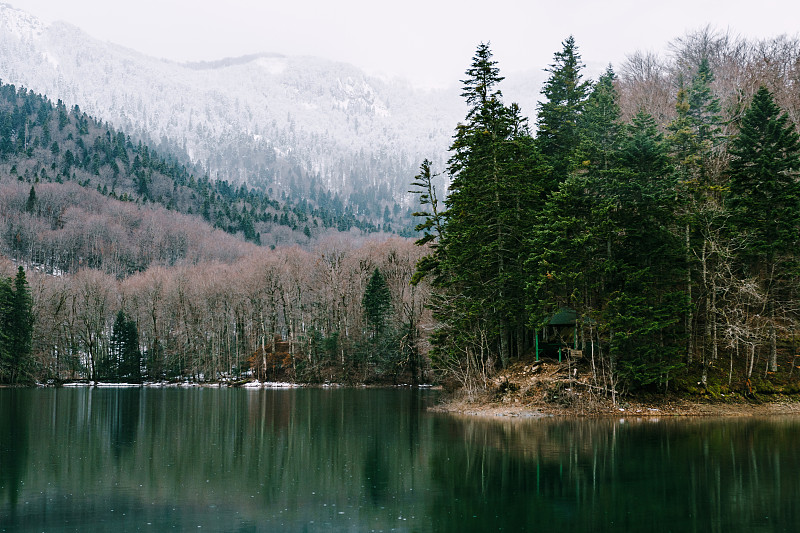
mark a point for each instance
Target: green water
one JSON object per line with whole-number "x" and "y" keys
{"x": 375, "y": 460}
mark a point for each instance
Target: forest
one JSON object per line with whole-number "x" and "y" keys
{"x": 342, "y": 312}
{"x": 658, "y": 205}
{"x": 92, "y": 214}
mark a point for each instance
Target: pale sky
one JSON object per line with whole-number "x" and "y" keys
{"x": 429, "y": 42}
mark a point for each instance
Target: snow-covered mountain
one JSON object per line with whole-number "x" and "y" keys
{"x": 267, "y": 120}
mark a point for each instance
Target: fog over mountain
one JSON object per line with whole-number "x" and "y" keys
{"x": 264, "y": 119}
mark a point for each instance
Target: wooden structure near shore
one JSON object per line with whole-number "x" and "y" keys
{"x": 559, "y": 337}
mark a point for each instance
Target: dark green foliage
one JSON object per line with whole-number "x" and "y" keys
{"x": 432, "y": 225}
{"x": 124, "y": 359}
{"x": 695, "y": 136}
{"x": 382, "y": 354}
{"x": 569, "y": 249}
{"x": 476, "y": 266}
{"x": 6, "y": 298}
{"x": 646, "y": 300}
{"x": 599, "y": 125}
{"x": 704, "y": 107}
{"x": 644, "y": 152}
{"x": 16, "y": 329}
{"x": 764, "y": 193}
{"x": 606, "y": 247}
{"x": 30, "y": 205}
{"x": 764, "y": 202}
{"x": 695, "y": 144}
{"x": 558, "y": 134}
{"x": 377, "y": 303}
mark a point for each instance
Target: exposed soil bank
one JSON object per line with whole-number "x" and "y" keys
{"x": 552, "y": 389}
{"x": 489, "y": 407}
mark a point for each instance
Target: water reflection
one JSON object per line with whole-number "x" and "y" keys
{"x": 14, "y": 414}
{"x": 320, "y": 460}
{"x": 625, "y": 475}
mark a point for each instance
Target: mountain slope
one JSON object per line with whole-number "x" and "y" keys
{"x": 267, "y": 120}
{"x": 42, "y": 142}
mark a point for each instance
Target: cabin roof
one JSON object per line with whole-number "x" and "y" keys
{"x": 564, "y": 317}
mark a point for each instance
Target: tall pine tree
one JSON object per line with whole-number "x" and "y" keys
{"x": 377, "y": 303}
{"x": 599, "y": 125}
{"x": 477, "y": 264}
{"x": 558, "y": 134}
{"x": 764, "y": 201}
{"x": 125, "y": 357}
{"x": 16, "y": 329}
{"x": 645, "y": 299}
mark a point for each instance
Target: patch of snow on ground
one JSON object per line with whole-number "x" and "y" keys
{"x": 270, "y": 385}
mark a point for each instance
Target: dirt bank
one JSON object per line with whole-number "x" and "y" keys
{"x": 671, "y": 407}
{"x": 554, "y": 389}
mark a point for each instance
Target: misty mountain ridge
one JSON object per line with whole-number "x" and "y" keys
{"x": 230, "y": 61}
{"x": 264, "y": 119}
{"x": 268, "y": 120}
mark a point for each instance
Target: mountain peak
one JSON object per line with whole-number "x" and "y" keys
{"x": 22, "y": 25}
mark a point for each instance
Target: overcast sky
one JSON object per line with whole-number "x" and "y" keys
{"x": 429, "y": 42}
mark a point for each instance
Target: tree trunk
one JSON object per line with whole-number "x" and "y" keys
{"x": 773, "y": 346}
{"x": 689, "y": 312}
{"x": 504, "y": 344}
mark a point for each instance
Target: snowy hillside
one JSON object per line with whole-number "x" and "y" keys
{"x": 267, "y": 120}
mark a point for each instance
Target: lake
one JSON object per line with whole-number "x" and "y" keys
{"x": 374, "y": 460}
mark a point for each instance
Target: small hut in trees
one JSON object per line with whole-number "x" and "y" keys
{"x": 560, "y": 336}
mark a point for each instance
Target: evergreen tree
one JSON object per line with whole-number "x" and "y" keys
{"x": 599, "y": 125}
{"x": 645, "y": 300}
{"x": 764, "y": 201}
{"x": 384, "y": 351}
{"x": 433, "y": 222}
{"x": 16, "y": 331}
{"x": 605, "y": 246}
{"x": 433, "y": 218}
{"x": 704, "y": 107}
{"x": 695, "y": 133}
{"x": 695, "y": 139}
{"x": 125, "y": 357}
{"x": 558, "y": 136}
{"x": 570, "y": 263}
{"x": 477, "y": 263}
{"x": 30, "y": 205}
{"x": 377, "y": 303}
{"x": 764, "y": 194}
{"x": 567, "y": 251}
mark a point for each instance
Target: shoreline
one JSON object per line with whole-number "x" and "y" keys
{"x": 217, "y": 385}
{"x": 668, "y": 407}
{"x": 547, "y": 388}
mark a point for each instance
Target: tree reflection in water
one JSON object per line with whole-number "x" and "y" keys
{"x": 356, "y": 459}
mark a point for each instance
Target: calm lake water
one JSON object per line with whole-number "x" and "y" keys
{"x": 374, "y": 460}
